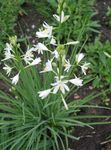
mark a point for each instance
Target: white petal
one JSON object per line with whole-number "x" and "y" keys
{"x": 79, "y": 57}
{"x": 28, "y": 56}
{"x": 8, "y": 69}
{"x": 46, "y": 26}
{"x": 66, "y": 87}
{"x": 76, "y": 81}
{"x": 62, "y": 89}
{"x": 62, "y": 17}
{"x": 8, "y": 47}
{"x": 56, "y": 88}
{"x": 65, "y": 18}
{"x": 36, "y": 61}
{"x": 53, "y": 41}
{"x": 41, "y": 34}
{"x": 15, "y": 79}
{"x": 44, "y": 94}
{"x": 84, "y": 67}
{"x": 56, "y": 17}
{"x": 48, "y": 67}
{"x": 40, "y": 47}
{"x": 46, "y": 33}
{"x": 7, "y": 52}
{"x": 67, "y": 65}
{"x": 56, "y": 54}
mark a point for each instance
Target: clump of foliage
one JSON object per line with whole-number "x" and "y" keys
{"x": 8, "y": 14}
{"x": 81, "y": 22}
{"x": 99, "y": 56}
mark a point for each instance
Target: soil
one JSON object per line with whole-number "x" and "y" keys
{"x": 90, "y": 139}
{"x": 28, "y": 23}
{"x": 101, "y": 8}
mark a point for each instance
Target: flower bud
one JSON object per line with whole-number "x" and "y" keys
{"x": 54, "y": 64}
{"x": 60, "y": 49}
{"x": 13, "y": 40}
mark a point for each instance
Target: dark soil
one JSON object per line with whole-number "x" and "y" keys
{"x": 101, "y": 9}
{"x": 90, "y": 139}
{"x": 28, "y": 23}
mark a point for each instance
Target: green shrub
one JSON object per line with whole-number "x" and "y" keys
{"x": 99, "y": 56}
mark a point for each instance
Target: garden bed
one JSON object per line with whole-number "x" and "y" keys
{"x": 90, "y": 139}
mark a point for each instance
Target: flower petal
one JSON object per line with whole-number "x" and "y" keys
{"x": 76, "y": 81}
{"x": 44, "y": 94}
{"x": 35, "y": 61}
{"x": 15, "y": 79}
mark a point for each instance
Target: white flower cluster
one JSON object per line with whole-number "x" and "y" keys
{"x": 28, "y": 57}
{"x": 55, "y": 64}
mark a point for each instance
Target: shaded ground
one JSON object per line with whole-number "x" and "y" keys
{"x": 91, "y": 139}
{"x": 101, "y": 9}
{"x": 28, "y": 23}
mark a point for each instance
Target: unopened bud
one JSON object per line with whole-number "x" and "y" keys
{"x": 13, "y": 40}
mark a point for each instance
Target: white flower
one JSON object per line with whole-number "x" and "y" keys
{"x": 44, "y": 94}
{"x": 61, "y": 18}
{"x": 48, "y": 67}
{"x": 72, "y": 43}
{"x": 60, "y": 85}
{"x": 67, "y": 65}
{"x": 56, "y": 54}
{"x": 8, "y": 69}
{"x": 76, "y": 81}
{"x": 15, "y": 79}
{"x": 46, "y": 33}
{"x": 8, "y": 47}
{"x": 35, "y": 61}
{"x": 84, "y": 67}
{"x": 53, "y": 41}
{"x": 8, "y": 50}
{"x": 79, "y": 57}
{"x": 40, "y": 47}
{"x": 28, "y": 56}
